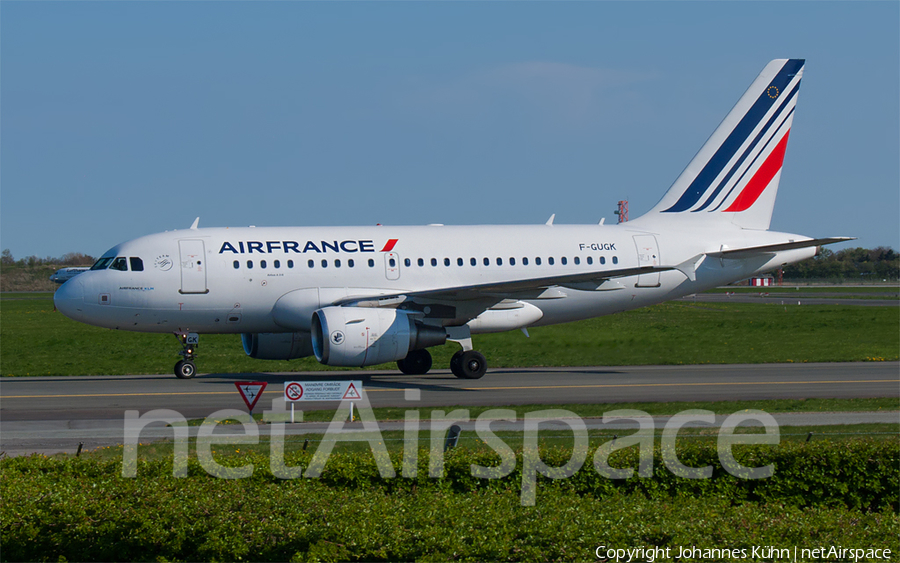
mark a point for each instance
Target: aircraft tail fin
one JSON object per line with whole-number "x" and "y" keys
{"x": 735, "y": 175}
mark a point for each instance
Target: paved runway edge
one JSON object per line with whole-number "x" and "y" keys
{"x": 55, "y": 413}
{"x": 24, "y": 438}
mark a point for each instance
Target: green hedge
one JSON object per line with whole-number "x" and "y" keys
{"x": 82, "y": 509}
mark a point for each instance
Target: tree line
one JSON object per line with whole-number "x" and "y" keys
{"x": 857, "y": 264}
{"x": 68, "y": 259}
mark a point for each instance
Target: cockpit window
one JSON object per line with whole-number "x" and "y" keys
{"x": 120, "y": 263}
{"x": 102, "y": 264}
{"x": 137, "y": 265}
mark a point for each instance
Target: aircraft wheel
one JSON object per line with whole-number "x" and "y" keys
{"x": 454, "y": 364}
{"x": 417, "y": 362}
{"x": 185, "y": 370}
{"x": 468, "y": 364}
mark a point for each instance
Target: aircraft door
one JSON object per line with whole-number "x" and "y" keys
{"x": 648, "y": 255}
{"x": 392, "y": 265}
{"x": 193, "y": 266}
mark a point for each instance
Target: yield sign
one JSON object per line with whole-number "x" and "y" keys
{"x": 250, "y": 391}
{"x": 351, "y": 393}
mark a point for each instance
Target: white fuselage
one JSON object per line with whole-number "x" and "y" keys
{"x": 231, "y": 280}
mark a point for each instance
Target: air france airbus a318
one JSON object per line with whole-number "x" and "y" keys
{"x": 360, "y": 296}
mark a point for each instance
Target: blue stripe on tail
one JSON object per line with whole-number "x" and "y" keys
{"x": 738, "y": 136}
{"x": 753, "y": 145}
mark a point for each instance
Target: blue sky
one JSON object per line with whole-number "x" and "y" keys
{"x": 123, "y": 119}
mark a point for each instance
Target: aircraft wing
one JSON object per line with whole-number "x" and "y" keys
{"x": 476, "y": 298}
{"x": 514, "y": 289}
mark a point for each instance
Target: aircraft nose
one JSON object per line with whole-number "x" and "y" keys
{"x": 69, "y": 299}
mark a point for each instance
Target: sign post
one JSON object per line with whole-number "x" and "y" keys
{"x": 295, "y": 391}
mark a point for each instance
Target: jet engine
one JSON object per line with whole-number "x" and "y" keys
{"x": 277, "y": 346}
{"x": 362, "y": 336}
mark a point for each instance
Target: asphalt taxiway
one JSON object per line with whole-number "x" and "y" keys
{"x": 792, "y": 298}
{"x": 50, "y": 413}
{"x": 108, "y": 397}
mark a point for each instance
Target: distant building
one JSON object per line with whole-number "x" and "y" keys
{"x": 762, "y": 282}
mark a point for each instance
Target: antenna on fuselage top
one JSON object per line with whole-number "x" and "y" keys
{"x": 194, "y": 225}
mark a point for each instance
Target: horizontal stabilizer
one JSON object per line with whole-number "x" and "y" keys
{"x": 737, "y": 253}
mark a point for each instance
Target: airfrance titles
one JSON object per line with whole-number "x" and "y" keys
{"x": 296, "y": 247}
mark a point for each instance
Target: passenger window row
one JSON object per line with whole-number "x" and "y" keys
{"x": 512, "y": 261}
{"x": 337, "y": 263}
{"x": 264, "y": 264}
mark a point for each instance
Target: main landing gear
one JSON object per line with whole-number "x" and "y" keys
{"x": 417, "y": 362}
{"x": 465, "y": 364}
{"x": 185, "y": 369}
{"x": 468, "y": 364}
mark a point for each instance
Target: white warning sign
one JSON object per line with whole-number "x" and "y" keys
{"x": 351, "y": 393}
{"x": 295, "y": 391}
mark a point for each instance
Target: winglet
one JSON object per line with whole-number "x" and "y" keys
{"x": 194, "y": 225}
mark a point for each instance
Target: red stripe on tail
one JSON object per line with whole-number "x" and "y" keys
{"x": 761, "y": 179}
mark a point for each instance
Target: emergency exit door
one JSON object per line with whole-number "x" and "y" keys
{"x": 193, "y": 266}
{"x": 392, "y": 265}
{"x": 648, "y": 255}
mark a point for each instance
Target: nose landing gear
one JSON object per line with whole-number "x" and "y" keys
{"x": 185, "y": 369}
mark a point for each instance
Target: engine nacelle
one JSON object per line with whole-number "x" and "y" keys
{"x": 362, "y": 336}
{"x": 277, "y": 346}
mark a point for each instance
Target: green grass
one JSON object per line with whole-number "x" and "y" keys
{"x": 82, "y": 509}
{"x": 38, "y": 341}
{"x": 394, "y": 441}
{"x": 819, "y": 494}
